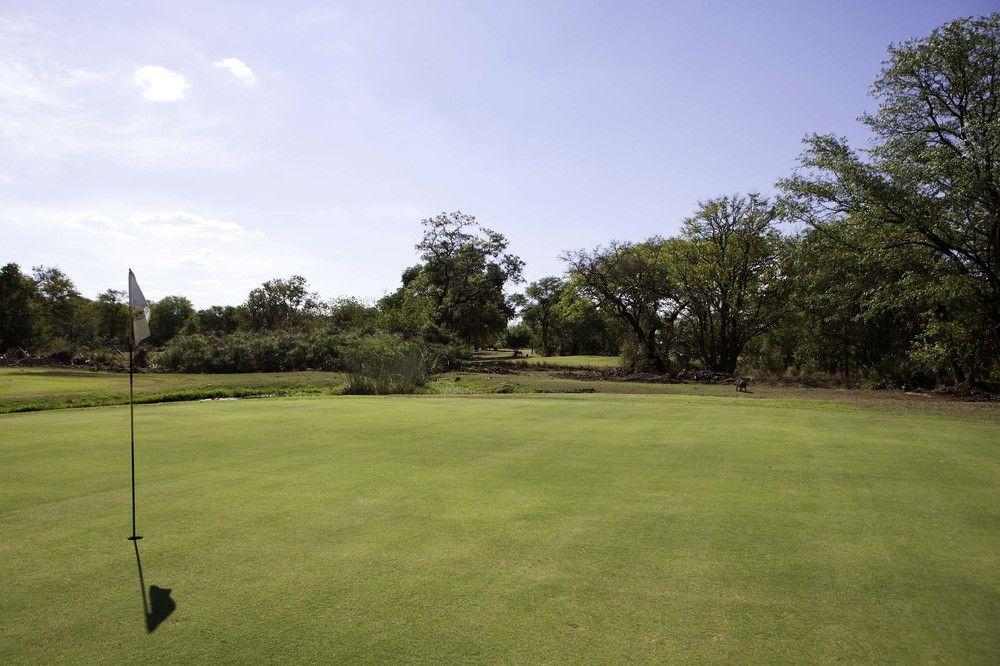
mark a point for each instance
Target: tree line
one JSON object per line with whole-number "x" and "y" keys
{"x": 879, "y": 264}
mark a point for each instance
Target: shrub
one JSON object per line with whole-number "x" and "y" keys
{"x": 633, "y": 357}
{"x": 248, "y": 352}
{"x": 517, "y": 337}
{"x": 382, "y": 365}
{"x": 443, "y": 358}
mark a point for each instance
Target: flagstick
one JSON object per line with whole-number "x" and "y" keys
{"x": 131, "y": 405}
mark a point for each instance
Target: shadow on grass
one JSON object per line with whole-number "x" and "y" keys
{"x": 158, "y": 606}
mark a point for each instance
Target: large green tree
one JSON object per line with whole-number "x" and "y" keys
{"x": 463, "y": 272}
{"x": 931, "y": 179}
{"x": 637, "y": 284}
{"x": 404, "y": 312}
{"x": 62, "y": 312}
{"x": 582, "y": 327}
{"x": 112, "y": 323}
{"x": 215, "y": 320}
{"x": 17, "y": 292}
{"x": 846, "y": 311}
{"x": 170, "y": 313}
{"x": 730, "y": 268}
{"x": 540, "y": 312}
{"x": 280, "y": 303}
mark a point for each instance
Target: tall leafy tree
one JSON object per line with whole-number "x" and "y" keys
{"x": 581, "y": 327}
{"x": 215, "y": 320}
{"x": 541, "y": 311}
{"x": 931, "y": 180}
{"x": 401, "y": 311}
{"x": 112, "y": 319}
{"x": 170, "y": 314}
{"x": 351, "y": 313}
{"x": 730, "y": 267}
{"x": 852, "y": 307}
{"x": 464, "y": 270}
{"x": 280, "y": 304}
{"x": 17, "y": 291}
{"x": 60, "y": 306}
{"x": 638, "y": 285}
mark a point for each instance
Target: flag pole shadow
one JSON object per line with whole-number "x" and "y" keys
{"x": 158, "y": 605}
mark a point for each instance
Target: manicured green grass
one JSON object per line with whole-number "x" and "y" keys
{"x": 766, "y": 395}
{"x": 37, "y": 389}
{"x": 502, "y": 528}
{"x": 33, "y": 389}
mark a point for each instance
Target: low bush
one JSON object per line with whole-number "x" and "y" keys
{"x": 381, "y": 362}
{"x": 246, "y": 352}
{"x": 382, "y": 365}
{"x": 94, "y": 358}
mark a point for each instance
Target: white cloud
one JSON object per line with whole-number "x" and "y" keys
{"x": 237, "y": 68}
{"x": 180, "y": 224}
{"x": 166, "y": 229}
{"x": 92, "y": 221}
{"x": 52, "y": 111}
{"x": 98, "y": 224}
{"x": 160, "y": 84}
{"x": 211, "y": 261}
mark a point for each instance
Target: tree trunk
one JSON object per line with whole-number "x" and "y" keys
{"x": 652, "y": 353}
{"x": 957, "y": 370}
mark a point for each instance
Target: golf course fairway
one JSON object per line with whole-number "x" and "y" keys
{"x": 520, "y": 528}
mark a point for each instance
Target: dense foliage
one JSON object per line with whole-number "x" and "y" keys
{"x": 918, "y": 213}
{"x": 879, "y": 265}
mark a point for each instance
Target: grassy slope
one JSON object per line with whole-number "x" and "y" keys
{"x": 769, "y": 395}
{"x": 36, "y": 389}
{"x": 516, "y": 528}
{"x": 569, "y": 361}
{"x": 530, "y": 359}
{"x": 32, "y": 389}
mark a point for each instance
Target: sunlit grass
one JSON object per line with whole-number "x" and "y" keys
{"x": 33, "y": 389}
{"x": 569, "y": 361}
{"x": 502, "y": 528}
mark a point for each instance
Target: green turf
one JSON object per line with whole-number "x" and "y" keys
{"x": 37, "y": 389}
{"x": 32, "y": 389}
{"x": 502, "y": 529}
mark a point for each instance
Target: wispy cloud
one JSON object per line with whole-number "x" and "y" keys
{"x": 160, "y": 84}
{"x": 99, "y": 225}
{"x": 51, "y": 111}
{"x": 237, "y": 68}
{"x": 180, "y": 224}
{"x": 209, "y": 259}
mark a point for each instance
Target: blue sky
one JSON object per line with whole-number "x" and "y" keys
{"x": 213, "y": 148}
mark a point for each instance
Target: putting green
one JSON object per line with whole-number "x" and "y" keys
{"x": 503, "y": 528}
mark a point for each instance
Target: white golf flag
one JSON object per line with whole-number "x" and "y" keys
{"x": 139, "y": 307}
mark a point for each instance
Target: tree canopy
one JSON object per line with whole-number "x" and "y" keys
{"x": 929, "y": 186}
{"x": 461, "y": 279}
{"x": 878, "y": 264}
